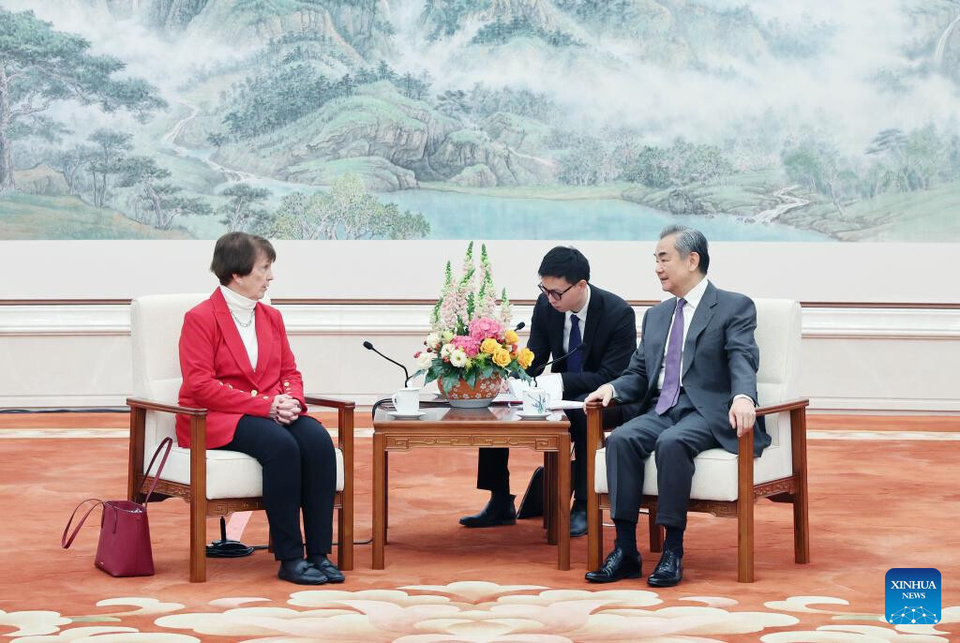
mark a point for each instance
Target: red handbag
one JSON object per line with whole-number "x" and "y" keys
{"x": 124, "y": 547}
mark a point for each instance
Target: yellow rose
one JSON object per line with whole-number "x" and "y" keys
{"x": 501, "y": 356}
{"x": 511, "y": 337}
{"x": 525, "y": 357}
{"x": 489, "y": 346}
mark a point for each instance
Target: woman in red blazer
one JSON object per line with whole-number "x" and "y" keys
{"x": 236, "y": 362}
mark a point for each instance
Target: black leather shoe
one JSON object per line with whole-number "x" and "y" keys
{"x": 333, "y": 574}
{"x": 669, "y": 570}
{"x": 494, "y": 514}
{"x": 578, "y": 520}
{"x": 617, "y": 565}
{"x": 302, "y": 573}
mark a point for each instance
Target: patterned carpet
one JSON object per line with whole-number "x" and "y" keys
{"x": 878, "y": 500}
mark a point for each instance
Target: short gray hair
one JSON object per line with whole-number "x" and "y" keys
{"x": 689, "y": 240}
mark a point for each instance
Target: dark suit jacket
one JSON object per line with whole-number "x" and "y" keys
{"x": 217, "y": 374}
{"x": 720, "y": 361}
{"x": 610, "y": 335}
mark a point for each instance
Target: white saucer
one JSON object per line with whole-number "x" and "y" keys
{"x": 533, "y": 416}
{"x": 406, "y": 416}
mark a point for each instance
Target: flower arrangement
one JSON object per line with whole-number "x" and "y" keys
{"x": 469, "y": 340}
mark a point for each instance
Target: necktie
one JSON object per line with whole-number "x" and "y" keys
{"x": 670, "y": 392}
{"x": 575, "y": 361}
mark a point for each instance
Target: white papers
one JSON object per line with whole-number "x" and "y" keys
{"x": 556, "y": 405}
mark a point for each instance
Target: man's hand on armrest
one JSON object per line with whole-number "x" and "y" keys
{"x": 605, "y": 393}
{"x": 742, "y": 414}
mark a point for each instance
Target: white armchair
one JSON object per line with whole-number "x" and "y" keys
{"x": 214, "y": 482}
{"x": 725, "y": 484}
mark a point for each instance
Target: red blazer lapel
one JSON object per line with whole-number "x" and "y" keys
{"x": 264, "y": 340}
{"x": 231, "y": 336}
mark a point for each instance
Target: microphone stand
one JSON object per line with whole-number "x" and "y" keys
{"x": 562, "y": 357}
{"x": 369, "y": 347}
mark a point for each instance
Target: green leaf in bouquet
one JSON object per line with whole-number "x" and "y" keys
{"x": 449, "y": 380}
{"x": 471, "y": 378}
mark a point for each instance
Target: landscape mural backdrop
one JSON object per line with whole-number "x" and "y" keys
{"x": 772, "y": 120}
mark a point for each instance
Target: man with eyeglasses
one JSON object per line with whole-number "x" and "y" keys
{"x": 569, "y": 313}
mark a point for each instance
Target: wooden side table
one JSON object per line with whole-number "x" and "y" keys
{"x": 494, "y": 426}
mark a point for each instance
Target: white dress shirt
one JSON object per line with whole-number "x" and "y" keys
{"x": 693, "y": 301}
{"x": 568, "y": 323}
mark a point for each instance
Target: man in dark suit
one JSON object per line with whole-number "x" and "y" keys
{"x": 695, "y": 375}
{"x": 569, "y": 312}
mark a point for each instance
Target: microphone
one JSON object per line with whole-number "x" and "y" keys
{"x": 517, "y": 328}
{"x": 581, "y": 347}
{"x": 369, "y": 347}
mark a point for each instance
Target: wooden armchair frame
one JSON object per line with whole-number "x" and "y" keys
{"x": 792, "y": 489}
{"x": 195, "y": 493}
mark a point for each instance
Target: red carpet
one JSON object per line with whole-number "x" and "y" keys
{"x": 875, "y": 504}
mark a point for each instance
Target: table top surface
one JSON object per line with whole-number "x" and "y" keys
{"x": 495, "y": 416}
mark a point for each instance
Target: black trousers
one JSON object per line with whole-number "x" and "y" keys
{"x": 299, "y": 472}
{"x": 677, "y": 437}
{"x": 493, "y": 471}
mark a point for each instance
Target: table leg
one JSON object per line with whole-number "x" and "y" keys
{"x": 545, "y": 492}
{"x": 550, "y": 496}
{"x": 562, "y": 519}
{"x": 379, "y": 499}
{"x": 386, "y": 497}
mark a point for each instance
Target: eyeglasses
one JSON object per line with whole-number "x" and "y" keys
{"x": 554, "y": 294}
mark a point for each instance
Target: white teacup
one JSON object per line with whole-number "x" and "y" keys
{"x": 535, "y": 401}
{"x": 407, "y": 401}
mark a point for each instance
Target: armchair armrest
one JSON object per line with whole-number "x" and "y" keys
{"x": 329, "y": 402}
{"x": 198, "y": 442}
{"x": 345, "y": 411}
{"x": 782, "y": 406}
{"x": 152, "y": 405}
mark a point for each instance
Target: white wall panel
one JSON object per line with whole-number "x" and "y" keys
{"x": 876, "y": 359}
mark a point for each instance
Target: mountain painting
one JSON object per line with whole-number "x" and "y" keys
{"x": 763, "y": 120}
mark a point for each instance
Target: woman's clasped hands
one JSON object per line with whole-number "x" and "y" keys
{"x": 285, "y": 409}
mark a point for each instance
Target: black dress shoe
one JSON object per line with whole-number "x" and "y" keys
{"x": 578, "y": 520}
{"x": 301, "y": 572}
{"x": 331, "y": 571}
{"x": 669, "y": 570}
{"x": 618, "y": 565}
{"x": 494, "y": 514}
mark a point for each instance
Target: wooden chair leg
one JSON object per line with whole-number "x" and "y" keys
{"x": 656, "y": 531}
{"x": 801, "y": 526}
{"x": 345, "y": 425}
{"x": 594, "y": 532}
{"x": 345, "y": 533}
{"x": 745, "y": 542}
{"x": 138, "y": 419}
{"x": 198, "y": 540}
{"x": 745, "y": 502}
{"x": 198, "y": 499}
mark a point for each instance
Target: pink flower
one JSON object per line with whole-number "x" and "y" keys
{"x": 484, "y": 327}
{"x": 469, "y": 344}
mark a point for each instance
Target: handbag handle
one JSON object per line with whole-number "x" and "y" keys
{"x": 66, "y": 542}
{"x": 168, "y": 443}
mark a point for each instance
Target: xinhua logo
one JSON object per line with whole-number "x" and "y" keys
{"x": 913, "y": 596}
